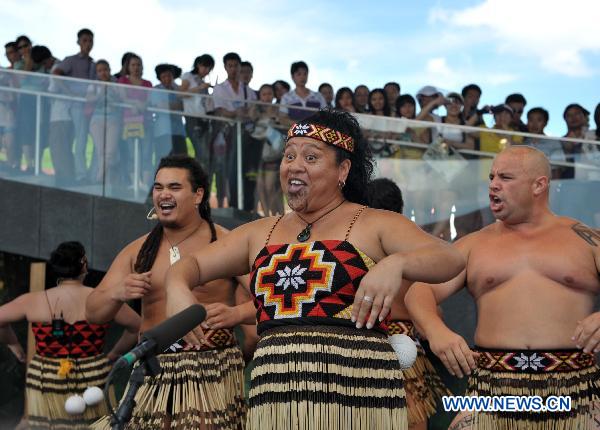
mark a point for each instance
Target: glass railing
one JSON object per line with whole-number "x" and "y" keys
{"x": 106, "y": 139}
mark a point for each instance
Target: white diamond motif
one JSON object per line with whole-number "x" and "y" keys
{"x": 525, "y": 362}
{"x": 291, "y": 277}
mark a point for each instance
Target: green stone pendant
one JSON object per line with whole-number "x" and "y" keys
{"x": 304, "y": 235}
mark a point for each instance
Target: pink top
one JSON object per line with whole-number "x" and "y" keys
{"x": 134, "y": 95}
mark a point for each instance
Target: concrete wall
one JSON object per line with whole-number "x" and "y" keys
{"x": 35, "y": 219}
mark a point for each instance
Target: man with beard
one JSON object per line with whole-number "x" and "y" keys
{"x": 201, "y": 381}
{"x": 534, "y": 278}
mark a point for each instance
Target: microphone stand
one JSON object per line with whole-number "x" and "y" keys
{"x": 149, "y": 366}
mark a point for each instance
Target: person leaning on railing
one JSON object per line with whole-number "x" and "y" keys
{"x": 197, "y": 129}
{"x": 135, "y": 121}
{"x": 104, "y": 126}
{"x": 266, "y": 119}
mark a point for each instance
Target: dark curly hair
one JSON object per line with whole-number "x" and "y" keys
{"x": 361, "y": 168}
{"x": 68, "y": 259}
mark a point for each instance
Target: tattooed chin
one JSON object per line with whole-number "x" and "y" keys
{"x": 296, "y": 201}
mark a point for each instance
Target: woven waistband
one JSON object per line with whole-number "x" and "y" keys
{"x": 534, "y": 361}
{"x": 213, "y": 339}
{"x": 406, "y": 327}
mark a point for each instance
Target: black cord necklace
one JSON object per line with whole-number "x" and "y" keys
{"x": 304, "y": 235}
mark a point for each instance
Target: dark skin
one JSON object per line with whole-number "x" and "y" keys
{"x": 310, "y": 178}
{"x": 184, "y": 228}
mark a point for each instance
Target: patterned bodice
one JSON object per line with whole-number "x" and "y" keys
{"x": 310, "y": 283}
{"x": 81, "y": 339}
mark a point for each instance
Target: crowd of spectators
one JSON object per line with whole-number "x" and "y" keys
{"x": 131, "y": 128}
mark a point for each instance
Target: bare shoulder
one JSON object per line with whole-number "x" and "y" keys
{"x": 221, "y": 231}
{"x": 381, "y": 218}
{"x": 468, "y": 241}
{"x": 589, "y": 234}
{"x": 259, "y": 226}
{"x": 129, "y": 254}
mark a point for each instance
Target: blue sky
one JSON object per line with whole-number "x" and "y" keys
{"x": 547, "y": 50}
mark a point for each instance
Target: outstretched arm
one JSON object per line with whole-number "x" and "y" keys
{"x": 224, "y": 258}
{"x": 412, "y": 254}
{"x": 13, "y": 311}
{"x": 131, "y": 322}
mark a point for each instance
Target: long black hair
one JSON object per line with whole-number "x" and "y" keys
{"x": 361, "y": 159}
{"x": 198, "y": 179}
{"x": 386, "y": 106}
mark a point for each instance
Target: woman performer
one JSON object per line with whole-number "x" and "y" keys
{"x": 69, "y": 355}
{"x": 423, "y": 385}
{"x": 323, "y": 278}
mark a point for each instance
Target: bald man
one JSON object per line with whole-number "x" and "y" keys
{"x": 534, "y": 277}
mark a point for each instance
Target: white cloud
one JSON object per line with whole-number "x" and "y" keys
{"x": 269, "y": 35}
{"x": 449, "y": 77}
{"x": 558, "y": 34}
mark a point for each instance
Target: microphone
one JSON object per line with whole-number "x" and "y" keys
{"x": 159, "y": 338}
{"x": 152, "y": 214}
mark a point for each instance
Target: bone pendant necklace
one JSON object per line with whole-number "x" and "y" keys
{"x": 174, "y": 254}
{"x": 304, "y": 235}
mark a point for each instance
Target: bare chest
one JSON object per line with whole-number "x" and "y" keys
{"x": 560, "y": 258}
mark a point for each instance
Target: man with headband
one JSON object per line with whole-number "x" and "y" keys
{"x": 534, "y": 276}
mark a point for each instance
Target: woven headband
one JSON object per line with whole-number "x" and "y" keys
{"x": 322, "y": 133}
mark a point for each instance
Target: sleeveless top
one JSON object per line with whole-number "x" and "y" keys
{"x": 309, "y": 283}
{"x": 81, "y": 339}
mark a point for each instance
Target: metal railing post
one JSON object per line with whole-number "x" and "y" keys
{"x": 38, "y": 121}
{"x": 240, "y": 187}
{"x": 136, "y": 167}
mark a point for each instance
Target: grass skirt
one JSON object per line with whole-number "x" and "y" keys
{"x": 325, "y": 377}
{"x": 582, "y": 385}
{"x": 47, "y": 392}
{"x": 195, "y": 389}
{"x": 422, "y": 383}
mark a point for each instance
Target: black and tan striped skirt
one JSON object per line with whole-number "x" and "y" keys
{"x": 195, "y": 389}
{"x": 422, "y": 383}
{"x": 537, "y": 373}
{"x": 47, "y": 392}
{"x": 325, "y": 377}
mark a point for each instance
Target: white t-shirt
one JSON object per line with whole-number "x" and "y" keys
{"x": 590, "y": 156}
{"x": 291, "y": 98}
{"x": 225, "y": 98}
{"x": 194, "y": 103}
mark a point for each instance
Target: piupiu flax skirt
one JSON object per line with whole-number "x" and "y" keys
{"x": 537, "y": 373}
{"x": 195, "y": 389}
{"x": 325, "y": 377}
{"x": 421, "y": 381}
{"x": 47, "y": 392}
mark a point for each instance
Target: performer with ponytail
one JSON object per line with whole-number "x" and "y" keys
{"x": 69, "y": 354}
{"x": 201, "y": 382}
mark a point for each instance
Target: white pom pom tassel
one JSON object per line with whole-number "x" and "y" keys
{"x": 93, "y": 396}
{"x": 75, "y": 405}
{"x": 405, "y": 349}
